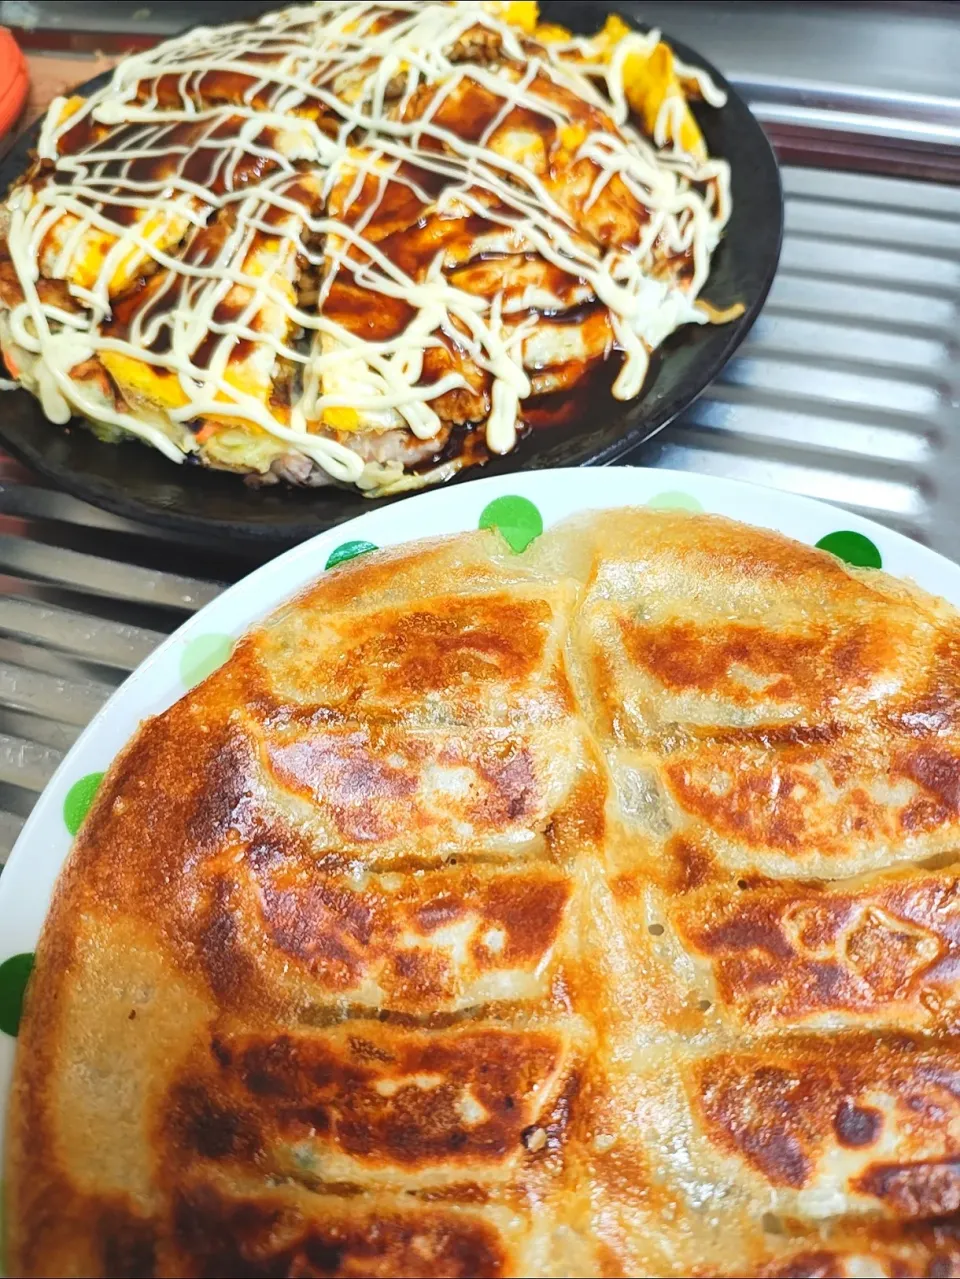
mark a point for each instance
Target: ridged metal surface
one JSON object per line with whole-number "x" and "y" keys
{"x": 848, "y": 389}
{"x": 84, "y": 598}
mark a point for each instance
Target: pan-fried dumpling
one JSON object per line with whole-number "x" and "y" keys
{"x": 586, "y": 911}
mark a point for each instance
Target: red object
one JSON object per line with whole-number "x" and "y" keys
{"x": 13, "y": 81}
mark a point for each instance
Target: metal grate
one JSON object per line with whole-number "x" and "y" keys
{"x": 84, "y": 598}
{"x": 848, "y": 389}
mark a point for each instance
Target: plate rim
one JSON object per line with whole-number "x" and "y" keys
{"x": 251, "y": 531}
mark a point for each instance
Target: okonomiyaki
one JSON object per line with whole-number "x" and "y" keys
{"x": 590, "y": 911}
{"x": 359, "y": 242}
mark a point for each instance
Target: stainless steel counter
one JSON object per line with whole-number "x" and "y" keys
{"x": 848, "y": 389}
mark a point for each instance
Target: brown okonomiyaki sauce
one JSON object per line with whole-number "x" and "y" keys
{"x": 588, "y": 394}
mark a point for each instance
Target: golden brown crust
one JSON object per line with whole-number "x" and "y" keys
{"x": 589, "y": 911}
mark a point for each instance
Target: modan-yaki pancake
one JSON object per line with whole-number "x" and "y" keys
{"x": 588, "y": 911}
{"x": 358, "y": 243}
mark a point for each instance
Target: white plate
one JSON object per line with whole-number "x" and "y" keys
{"x": 204, "y": 641}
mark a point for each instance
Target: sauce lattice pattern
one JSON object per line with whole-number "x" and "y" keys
{"x": 359, "y": 242}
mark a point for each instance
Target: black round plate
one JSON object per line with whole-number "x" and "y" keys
{"x": 137, "y": 482}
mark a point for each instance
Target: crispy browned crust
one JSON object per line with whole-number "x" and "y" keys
{"x": 590, "y": 911}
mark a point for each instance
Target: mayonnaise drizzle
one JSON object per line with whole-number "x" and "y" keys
{"x": 332, "y": 52}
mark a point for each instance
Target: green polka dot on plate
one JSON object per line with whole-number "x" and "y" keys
{"x": 79, "y": 798}
{"x": 348, "y": 551}
{"x": 517, "y": 518}
{"x": 202, "y": 656}
{"x": 674, "y": 500}
{"x": 14, "y": 973}
{"x": 852, "y": 547}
